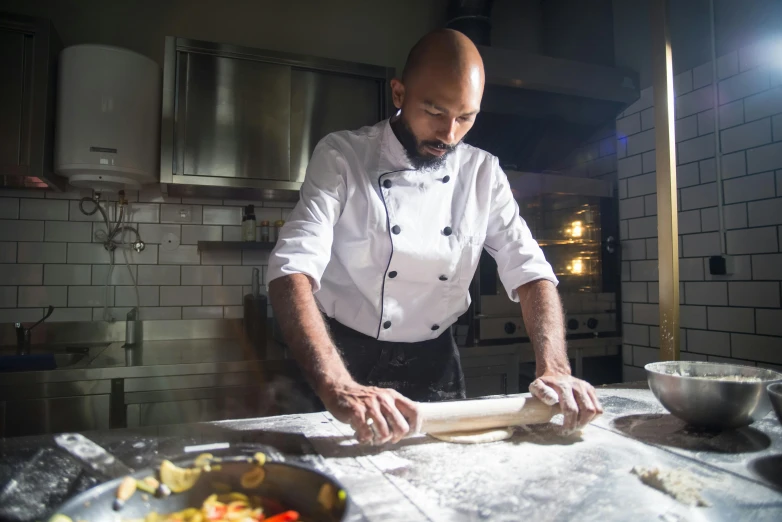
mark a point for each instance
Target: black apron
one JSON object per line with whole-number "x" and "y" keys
{"x": 424, "y": 371}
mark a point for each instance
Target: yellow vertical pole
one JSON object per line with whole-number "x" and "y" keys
{"x": 667, "y": 217}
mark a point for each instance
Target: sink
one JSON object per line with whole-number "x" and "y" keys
{"x": 43, "y": 358}
{"x": 63, "y": 360}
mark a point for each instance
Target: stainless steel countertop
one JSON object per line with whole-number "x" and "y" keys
{"x": 537, "y": 474}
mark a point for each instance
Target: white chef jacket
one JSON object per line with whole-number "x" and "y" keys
{"x": 391, "y": 249}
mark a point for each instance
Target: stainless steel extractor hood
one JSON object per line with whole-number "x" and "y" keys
{"x": 537, "y": 109}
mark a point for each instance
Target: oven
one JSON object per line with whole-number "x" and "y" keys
{"x": 575, "y": 221}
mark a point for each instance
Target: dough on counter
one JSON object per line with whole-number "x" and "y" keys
{"x": 475, "y": 437}
{"x": 677, "y": 483}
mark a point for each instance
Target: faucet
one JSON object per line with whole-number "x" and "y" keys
{"x": 23, "y": 334}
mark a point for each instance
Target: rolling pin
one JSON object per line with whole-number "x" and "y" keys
{"x": 482, "y": 414}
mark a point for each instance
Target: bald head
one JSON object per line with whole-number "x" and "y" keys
{"x": 439, "y": 95}
{"x": 446, "y": 50}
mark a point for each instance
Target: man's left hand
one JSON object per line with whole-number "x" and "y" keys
{"x": 577, "y": 398}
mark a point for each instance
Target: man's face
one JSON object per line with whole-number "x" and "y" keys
{"x": 438, "y": 108}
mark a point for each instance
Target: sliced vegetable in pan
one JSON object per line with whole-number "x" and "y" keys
{"x": 224, "y": 504}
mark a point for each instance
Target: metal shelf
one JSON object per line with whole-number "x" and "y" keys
{"x": 204, "y": 246}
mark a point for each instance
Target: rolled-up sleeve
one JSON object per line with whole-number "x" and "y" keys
{"x": 509, "y": 240}
{"x": 304, "y": 245}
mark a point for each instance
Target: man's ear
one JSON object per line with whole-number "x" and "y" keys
{"x": 397, "y": 92}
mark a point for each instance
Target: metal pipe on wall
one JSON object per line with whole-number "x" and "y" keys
{"x": 717, "y": 145}
{"x": 667, "y": 216}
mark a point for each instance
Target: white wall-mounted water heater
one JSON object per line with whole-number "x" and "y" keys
{"x": 108, "y": 118}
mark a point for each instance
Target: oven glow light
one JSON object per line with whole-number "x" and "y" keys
{"x": 576, "y": 266}
{"x": 576, "y": 229}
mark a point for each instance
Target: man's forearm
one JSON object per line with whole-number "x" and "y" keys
{"x": 541, "y": 310}
{"x": 305, "y": 331}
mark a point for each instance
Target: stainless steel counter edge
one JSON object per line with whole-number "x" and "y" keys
{"x": 205, "y": 355}
{"x": 167, "y": 370}
{"x": 91, "y": 332}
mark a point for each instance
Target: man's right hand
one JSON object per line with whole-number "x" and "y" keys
{"x": 393, "y": 416}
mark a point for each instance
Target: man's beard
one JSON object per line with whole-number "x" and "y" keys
{"x": 419, "y": 160}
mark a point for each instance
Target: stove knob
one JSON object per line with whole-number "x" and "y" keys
{"x": 592, "y": 323}
{"x": 572, "y": 324}
{"x": 510, "y": 328}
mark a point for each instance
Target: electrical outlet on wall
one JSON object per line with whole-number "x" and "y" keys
{"x": 183, "y": 214}
{"x": 721, "y": 265}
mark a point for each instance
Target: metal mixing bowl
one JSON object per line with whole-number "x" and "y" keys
{"x": 694, "y": 392}
{"x": 775, "y": 394}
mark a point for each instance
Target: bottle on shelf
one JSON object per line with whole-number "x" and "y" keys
{"x": 248, "y": 223}
{"x": 265, "y": 231}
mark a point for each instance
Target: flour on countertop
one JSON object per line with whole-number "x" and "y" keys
{"x": 45, "y": 480}
{"x": 537, "y": 467}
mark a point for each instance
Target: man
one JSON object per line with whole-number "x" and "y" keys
{"x": 385, "y": 240}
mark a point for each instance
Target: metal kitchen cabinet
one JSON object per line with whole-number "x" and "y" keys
{"x": 28, "y": 65}
{"x": 208, "y": 409}
{"x": 56, "y": 415}
{"x": 241, "y": 122}
{"x": 322, "y": 103}
{"x": 490, "y": 370}
{"x": 233, "y": 117}
{"x": 41, "y": 406}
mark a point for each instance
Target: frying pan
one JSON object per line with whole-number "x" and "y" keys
{"x": 292, "y": 485}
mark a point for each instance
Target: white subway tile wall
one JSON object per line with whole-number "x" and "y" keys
{"x": 180, "y": 295}
{"x": 147, "y": 296}
{"x": 42, "y": 296}
{"x": 769, "y": 322}
{"x": 81, "y": 296}
{"x": 687, "y": 175}
{"x": 693, "y": 317}
{"x": 49, "y": 255}
{"x": 158, "y": 275}
{"x": 735, "y": 216}
{"x": 68, "y": 232}
{"x": 767, "y": 267}
{"x": 156, "y": 234}
{"x": 62, "y": 315}
{"x": 767, "y": 157}
{"x": 7, "y": 252}
{"x": 766, "y": 212}
{"x": 43, "y": 209}
{"x": 701, "y": 76}
{"x": 15, "y": 230}
{"x": 66, "y": 274}
{"x": 682, "y": 83}
{"x": 706, "y": 122}
{"x": 8, "y": 296}
{"x": 746, "y": 136}
{"x": 222, "y": 295}
{"x": 192, "y": 234}
{"x": 752, "y": 240}
{"x": 736, "y": 317}
{"x": 41, "y": 253}
{"x": 202, "y": 275}
{"x": 732, "y": 319}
